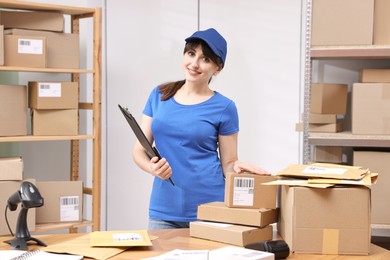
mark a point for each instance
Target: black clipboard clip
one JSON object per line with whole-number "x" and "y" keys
{"x": 150, "y": 150}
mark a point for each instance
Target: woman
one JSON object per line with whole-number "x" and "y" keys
{"x": 195, "y": 130}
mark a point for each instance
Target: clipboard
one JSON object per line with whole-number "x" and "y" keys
{"x": 151, "y": 151}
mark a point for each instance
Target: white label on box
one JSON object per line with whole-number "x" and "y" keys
{"x": 49, "y": 90}
{"x": 126, "y": 237}
{"x": 216, "y": 224}
{"x": 243, "y": 191}
{"x": 30, "y": 46}
{"x": 322, "y": 170}
{"x": 69, "y": 208}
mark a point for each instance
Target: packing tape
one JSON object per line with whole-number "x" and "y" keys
{"x": 330, "y": 241}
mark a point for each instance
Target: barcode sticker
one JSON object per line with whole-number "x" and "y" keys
{"x": 69, "y": 208}
{"x": 30, "y": 46}
{"x": 49, "y": 89}
{"x": 243, "y": 191}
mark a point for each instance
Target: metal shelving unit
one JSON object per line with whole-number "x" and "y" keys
{"x": 346, "y": 139}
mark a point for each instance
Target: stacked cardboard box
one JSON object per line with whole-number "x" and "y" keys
{"x": 328, "y": 154}
{"x": 54, "y": 107}
{"x": 244, "y": 217}
{"x": 328, "y": 106}
{"x": 377, "y": 160}
{"x": 326, "y": 208}
{"x": 37, "y": 39}
{"x": 342, "y": 22}
{"x": 63, "y": 201}
{"x": 371, "y": 103}
{"x": 13, "y": 110}
{"x": 327, "y": 101}
{"x": 11, "y": 177}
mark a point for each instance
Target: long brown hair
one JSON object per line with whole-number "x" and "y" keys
{"x": 169, "y": 89}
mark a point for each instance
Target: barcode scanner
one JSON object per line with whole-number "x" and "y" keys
{"x": 278, "y": 247}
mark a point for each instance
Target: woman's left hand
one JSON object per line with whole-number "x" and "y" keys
{"x": 241, "y": 167}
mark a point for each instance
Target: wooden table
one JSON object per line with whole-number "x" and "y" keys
{"x": 171, "y": 239}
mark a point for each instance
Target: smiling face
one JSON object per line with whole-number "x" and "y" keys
{"x": 200, "y": 64}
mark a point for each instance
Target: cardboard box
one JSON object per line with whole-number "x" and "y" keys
{"x": 63, "y": 49}
{"x": 13, "y": 110}
{"x": 219, "y": 212}
{"x": 24, "y": 51}
{"x": 377, "y": 161}
{"x": 371, "y": 108}
{"x": 53, "y": 95}
{"x": 11, "y": 169}
{"x": 342, "y": 22}
{"x": 230, "y": 234}
{"x": 326, "y": 128}
{"x": 48, "y": 21}
{"x": 315, "y": 118}
{"x": 375, "y": 75}
{"x": 1, "y": 45}
{"x": 323, "y": 170}
{"x": 63, "y": 201}
{"x": 326, "y": 221}
{"x": 7, "y": 189}
{"x": 245, "y": 190}
{"x": 329, "y": 154}
{"x": 54, "y": 121}
{"x": 328, "y": 98}
{"x": 382, "y": 22}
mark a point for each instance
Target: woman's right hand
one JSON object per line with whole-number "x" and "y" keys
{"x": 160, "y": 168}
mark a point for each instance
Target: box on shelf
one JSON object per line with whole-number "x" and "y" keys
{"x": 230, "y": 234}
{"x": 328, "y": 98}
{"x": 326, "y": 128}
{"x": 371, "y": 108}
{"x": 321, "y": 128}
{"x": 245, "y": 190}
{"x": 63, "y": 201}
{"x": 342, "y": 22}
{"x": 48, "y": 21}
{"x": 326, "y": 221}
{"x": 62, "y": 49}
{"x": 217, "y": 211}
{"x": 54, "y": 121}
{"x": 382, "y": 22}
{"x": 53, "y": 95}
{"x": 1, "y": 45}
{"x": 329, "y": 154}
{"x": 315, "y": 118}
{"x": 13, "y": 110}
{"x": 25, "y": 51}
{"x": 375, "y": 75}
{"x": 11, "y": 169}
{"x": 7, "y": 189}
{"x": 377, "y": 161}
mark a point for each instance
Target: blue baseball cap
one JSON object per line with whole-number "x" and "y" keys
{"x": 214, "y": 40}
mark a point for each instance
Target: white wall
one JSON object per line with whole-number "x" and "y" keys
{"x": 145, "y": 40}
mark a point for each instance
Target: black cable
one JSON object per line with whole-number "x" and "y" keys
{"x": 6, "y": 220}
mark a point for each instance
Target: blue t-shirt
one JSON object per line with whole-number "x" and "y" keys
{"x": 187, "y": 136}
